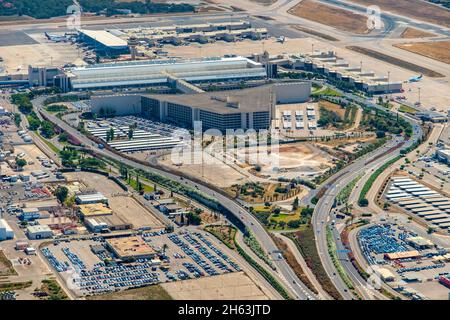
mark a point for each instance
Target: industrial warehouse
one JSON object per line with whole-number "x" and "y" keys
{"x": 421, "y": 201}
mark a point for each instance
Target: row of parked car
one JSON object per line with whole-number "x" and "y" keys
{"x": 217, "y": 251}
{"x": 195, "y": 256}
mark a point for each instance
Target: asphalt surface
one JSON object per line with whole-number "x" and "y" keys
{"x": 322, "y": 214}
{"x": 286, "y": 274}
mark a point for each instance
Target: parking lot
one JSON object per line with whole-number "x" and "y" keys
{"x": 420, "y": 273}
{"x": 180, "y": 257}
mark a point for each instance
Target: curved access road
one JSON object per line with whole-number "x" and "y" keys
{"x": 283, "y": 271}
{"x": 322, "y": 212}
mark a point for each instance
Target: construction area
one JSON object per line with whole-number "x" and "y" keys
{"x": 127, "y": 210}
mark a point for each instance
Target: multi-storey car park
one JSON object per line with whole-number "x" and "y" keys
{"x": 251, "y": 108}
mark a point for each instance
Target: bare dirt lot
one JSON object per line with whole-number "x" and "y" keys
{"x": 439, "y": 50}
{"x": 395, "y": 61}
{"x": 155, "y": 292}
{"x": 416, "y": 9}
{"x": 294, "y": 160}
{"x": 411, "y": 33}
{"x": 129, "y": 209}
{"x": 124, "y": 206}
{"x": 341, "y": 19}
{"x": 231, "y": 286}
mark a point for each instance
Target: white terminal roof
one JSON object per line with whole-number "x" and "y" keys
{"x": 105, "y": 38}
{"x": 157, "y": 71}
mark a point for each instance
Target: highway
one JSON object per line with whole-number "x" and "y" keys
{"x": 322, "y": 213}
{"x": 290, "y": 281}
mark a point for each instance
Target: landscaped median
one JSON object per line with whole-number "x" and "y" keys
{"x": 337, "y": 264}
{"x": 362, "y": 201}
{"x": 306, "y": 244}
{"x": 273, "y": 282}
{"x": 229, "y": 239}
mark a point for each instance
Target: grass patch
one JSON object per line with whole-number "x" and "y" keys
{"x": 306, "y": 244}
{"x": 6, "y": 267}
{"x": 407, "y": 109}
{"x": 327, "y": 91}
{"x": 55, "y": 108}
{"x": 155, "y": 292}
{"x": 344, "y": 194}
{"x": 373, "y": 177}
{"x": 293, "y": 263}
{"x": 146, "y": 188}
{"x": 254, "y": 245}
{"x": 225, "y": 234}
{"x": 53, "y": 289}
{"x": 333, "y": 254}
{"x": 52, "y": 147}
{"x": 273, "y": 282}
{"x": 14, "y": 285}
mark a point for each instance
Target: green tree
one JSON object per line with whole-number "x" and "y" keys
{"x": 363, "y": 202}
{"x": 193, "y": 218}
{"x": 61, "y": 193}
{"x": 21, "y": 163}
{"x": 295, "y": 203}
{"x": 63, "y": 137}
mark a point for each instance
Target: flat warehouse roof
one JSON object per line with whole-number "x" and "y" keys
{"x": 416, "y": 189}
{"x": 443, "y": 199}
{"x": 401, "y": 179}
{"x": 423, "y": 209}
{"x": 422, "y": 193}
{"x": 445, "y": 225}
{"x": 429, "y": 213}
{"x": 400, "y": 195}
{"x": 441, "y": 221}
{"x": 415, "y": 206}
{"x": 406, "y": 183}
{"x": 412, "y": 201}
{"x": 436, "y": 216}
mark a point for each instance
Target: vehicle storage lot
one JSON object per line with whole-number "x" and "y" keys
{"x": 187, "y": 256}
{"x": 419, "y": 274}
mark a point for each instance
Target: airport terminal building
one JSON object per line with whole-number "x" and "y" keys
{"x": 159, "y": 72}
{"x": 251, "y": 108}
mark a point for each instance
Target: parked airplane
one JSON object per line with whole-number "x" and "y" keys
{"x": 55, "y": 38}
{"x": 416, "y": 79}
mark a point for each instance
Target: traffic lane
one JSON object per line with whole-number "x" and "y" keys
{"x": 249, "y": 221}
